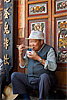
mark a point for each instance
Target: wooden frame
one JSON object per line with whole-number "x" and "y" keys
{"x": 61, "y": 68}
{"x": 62, "y": 6}
{"x": 38, "y": 9}
{"x": 53, "y": 21}
{"x": 54, "y": 16}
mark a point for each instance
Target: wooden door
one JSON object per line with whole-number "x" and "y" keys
{"x": 59, "y": 40}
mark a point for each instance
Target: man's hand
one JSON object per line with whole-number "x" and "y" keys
{"x": 21, "y": 48}
{"x": 33, "y": 55}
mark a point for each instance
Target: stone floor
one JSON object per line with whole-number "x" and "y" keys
{"x": 8, "y": 93}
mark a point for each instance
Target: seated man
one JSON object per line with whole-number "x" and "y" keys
{"x": 41, "y": 66}
{"x": 2, "y": 77}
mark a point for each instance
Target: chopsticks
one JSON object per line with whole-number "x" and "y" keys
{"x": 25, "y": 46}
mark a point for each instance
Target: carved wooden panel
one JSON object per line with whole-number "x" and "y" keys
{"x": 40, "y": 25}
{"x": 61, "y": 6}
{"x": 38, "y": 9}
{"x": 62, "y": 40}
{"x": 59, "y": 36}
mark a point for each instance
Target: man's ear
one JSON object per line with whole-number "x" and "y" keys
{"x": 42, "y": 41}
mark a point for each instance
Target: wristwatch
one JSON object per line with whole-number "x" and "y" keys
{"x": 40, "y": 60}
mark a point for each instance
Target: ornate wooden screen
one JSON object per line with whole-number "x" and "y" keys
{"x": 59, "y": 40}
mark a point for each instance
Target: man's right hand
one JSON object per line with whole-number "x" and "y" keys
{"x": 21, "y": 48}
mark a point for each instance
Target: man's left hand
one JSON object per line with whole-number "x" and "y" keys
{"x": 33, "y": 55}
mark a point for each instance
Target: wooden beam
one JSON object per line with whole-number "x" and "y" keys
{"x": 49, "y": 22}
{"x": 53, "y": 23}
{"x": 60, "y": 15}
{"x": 38, "y": 17}
{"x": 26, "y": 22}
{"x": 39, "y": 1}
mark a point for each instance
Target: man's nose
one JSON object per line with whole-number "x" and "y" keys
{"x": 32, "y": 44}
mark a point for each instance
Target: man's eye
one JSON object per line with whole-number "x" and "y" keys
{"x": 34, "y": 41}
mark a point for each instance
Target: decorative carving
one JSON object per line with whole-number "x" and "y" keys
{"x": 6, "y": 60}
{"x": 38, "y": 8}
{"x": 7, "y": 1}
{"x": 6, "y": 14}
{"x": 40, "y": 26}
{"x": 6, "y": 41}
{"x": 6, "y": 27}
{"x": 61, "y": 5}
{"x": 62, "y": 41}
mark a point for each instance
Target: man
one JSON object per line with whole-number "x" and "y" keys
{"x": 41, "y": 66}
{"x": 2, "y": 78}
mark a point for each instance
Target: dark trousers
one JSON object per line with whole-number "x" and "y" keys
{"x": 20, "y": 84}
{"x": 2, "y": 84}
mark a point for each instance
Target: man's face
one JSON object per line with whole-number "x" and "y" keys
{"x": 36, "y": 44}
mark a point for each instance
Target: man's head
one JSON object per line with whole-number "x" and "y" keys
{"x": 36, "y": 40}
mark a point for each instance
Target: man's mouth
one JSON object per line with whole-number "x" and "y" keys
{"x": 33, "y": 47}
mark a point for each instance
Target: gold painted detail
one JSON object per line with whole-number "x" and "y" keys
{"x": 7, "y": 1}
{"x": 6, "y": 27}
{"x": 11, "y": 7}
{"x": 6, "y": 14}
{"x": 63, "y": 24}
{"x": 6, "y": 60}
{"x": 62, "y": 41}
{"x": 6, "y": 41}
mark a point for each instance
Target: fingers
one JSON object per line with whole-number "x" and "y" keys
{"x": 32, "y": 55}
{"x": 22, "y": 46}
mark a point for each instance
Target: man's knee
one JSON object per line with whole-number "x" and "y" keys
{"x": 44, "y": 77}
{"x": 13, "y": 76}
